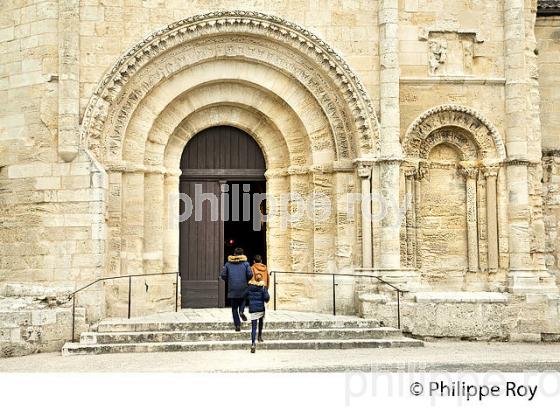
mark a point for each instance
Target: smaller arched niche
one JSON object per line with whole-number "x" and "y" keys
{"x": 442, "y": 215}
{"x": 453, "y": 155}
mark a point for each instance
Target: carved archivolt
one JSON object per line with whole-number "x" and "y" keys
{"x": 475, "y": 132}
{"x": 329, "y": 79}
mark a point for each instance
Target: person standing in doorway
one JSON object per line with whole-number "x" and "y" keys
{"x": 257, "y": 296}
{"x": 237, "y": 273}
{"x": 259, "y": 267}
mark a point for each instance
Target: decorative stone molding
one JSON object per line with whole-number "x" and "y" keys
{"x": 125, "y": 166}
{"x": 345, "y": 82}
{"x": 483, "y": 133}
{"x": 520, "y": 162}
{"x": 297, "y": 170}
{"x": 424, "y": 33}
{"x": 276, "y": 173}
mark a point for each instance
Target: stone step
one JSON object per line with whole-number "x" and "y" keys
{"x": 79, "y": 348}
{"x": 231, "y": 335}
{"x": 107, "y": 326}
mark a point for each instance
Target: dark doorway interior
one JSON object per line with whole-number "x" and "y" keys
{"x": 247, "y": 234}
{"x": 245, "y": 228}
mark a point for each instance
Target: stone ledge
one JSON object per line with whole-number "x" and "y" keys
{"x": 461, "y": 297}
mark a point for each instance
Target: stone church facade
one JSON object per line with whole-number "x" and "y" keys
{"x": 445, "y": 112}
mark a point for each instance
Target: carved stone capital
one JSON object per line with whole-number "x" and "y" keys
{"x": 364, "y": 168}
{"x": 422, "y": 171}
{"x": 490, "y": 171}
{"x": 469, "y": 172}
{"x": 410, "y": 172}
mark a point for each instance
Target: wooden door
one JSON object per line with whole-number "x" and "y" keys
{"x": 201, "y": 259}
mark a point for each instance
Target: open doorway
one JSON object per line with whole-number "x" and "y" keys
{"x": 244, "y": 226}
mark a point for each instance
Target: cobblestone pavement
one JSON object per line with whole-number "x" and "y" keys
{"x": 436, "y": 356}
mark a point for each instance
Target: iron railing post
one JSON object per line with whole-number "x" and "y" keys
{"x": 274, "y": 275}
{"x": 398, "y": 309}
{"x": 177, "y": 292}
{"x": 129, "y": 294}
{"x": 333, "y": 296}
{"x": 73, "y": 318}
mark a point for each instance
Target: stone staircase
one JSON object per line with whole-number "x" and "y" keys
{"x": 283, "y": 330}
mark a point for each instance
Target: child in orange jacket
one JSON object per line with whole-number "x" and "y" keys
{"x": 259, "y": 267}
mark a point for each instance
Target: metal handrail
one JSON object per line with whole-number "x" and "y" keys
{"x": 73, "y": 294}
{"x": 398, "y": 290}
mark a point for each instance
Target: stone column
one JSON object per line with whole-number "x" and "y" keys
{"x": 390, "y": 224}
{"x": 470, "y": 175}
{"x": 364, "y": 172}
{"x": 170, "y": 221}
{"x": 277, "y": 230}
{"x": 420, "y": 174}
{"x": 389, "y": 76}
{"x": 345, "y": 212}
{"x": 68, "y": 79}
{"x": 410, "y": 174}
{"x": 153, "y": 222}
{"x": 491, "y": 174}
{"x": 301, "y": 227}
{"x": 516, "y": 124}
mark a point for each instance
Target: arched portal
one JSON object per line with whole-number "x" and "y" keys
{"x": 222, "y": 174}
{"x": 276, "y": 81}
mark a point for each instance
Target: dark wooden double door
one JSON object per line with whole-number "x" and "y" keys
{"x": 214, "y": 158}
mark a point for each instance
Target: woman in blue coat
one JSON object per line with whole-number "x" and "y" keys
{"x": 257, "y": 296}
{"x": 237, "y": 273}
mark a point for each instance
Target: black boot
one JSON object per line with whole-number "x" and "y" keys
{"x": 238, "y": 328}
{"x": 243, "y": 317}
{"x": 260, "y": 339}
{"x": 253, "y": 348}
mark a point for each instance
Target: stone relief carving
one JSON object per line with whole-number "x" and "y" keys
{"x": 437, "y": 55}
{"x": 344, "y": 82}
{"x": 450, "y": 51}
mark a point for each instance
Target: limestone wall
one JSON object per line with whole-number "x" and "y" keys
{"x": 52, "y": 214}
{"x": 551, "y": 190}
{"x": 547, "y": 31}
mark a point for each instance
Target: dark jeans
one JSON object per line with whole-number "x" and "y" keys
{"x": 254, "y": 329}
{"x": 237, "y": 308}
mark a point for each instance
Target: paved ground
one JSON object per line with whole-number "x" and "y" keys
{"x": 438, "y": 356}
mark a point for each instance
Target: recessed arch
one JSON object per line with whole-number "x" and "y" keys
{"x": 274, "y": 147}
{"x": 475, "y": 126}
{"x": 302, "y": 140}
